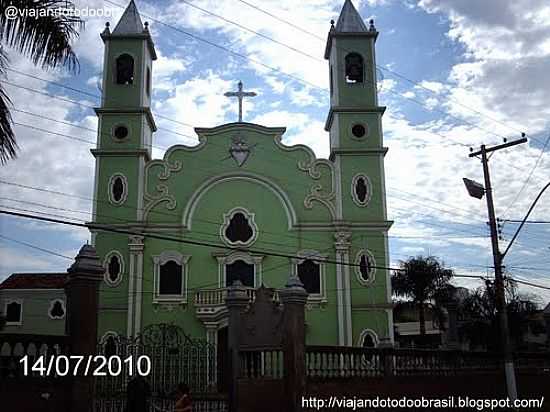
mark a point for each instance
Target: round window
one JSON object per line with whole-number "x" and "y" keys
{"x": 359, "y": 130}
{"x": 121, "y": 132}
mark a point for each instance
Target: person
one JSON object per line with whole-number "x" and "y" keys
{"x": 183, "y": 404}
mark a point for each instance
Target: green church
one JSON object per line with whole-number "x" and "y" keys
{"x": 242, "y": 205}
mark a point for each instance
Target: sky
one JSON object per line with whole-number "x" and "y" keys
{"x": 453, "y": 74}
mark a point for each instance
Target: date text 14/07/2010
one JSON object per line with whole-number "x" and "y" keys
{"x": 91, "y": 365}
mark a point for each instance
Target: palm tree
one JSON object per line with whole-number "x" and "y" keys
{"x": 422, "y": 280}
{"x": 43, "y": 37}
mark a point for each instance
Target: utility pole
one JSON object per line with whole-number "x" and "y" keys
{"x": 499, "y": 279}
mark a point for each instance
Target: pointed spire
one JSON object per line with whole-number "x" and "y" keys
{"x": 130, "y": 22}
{"x": 350, "y": 20}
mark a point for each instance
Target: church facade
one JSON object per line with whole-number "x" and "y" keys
{"x": 242, "y": 205}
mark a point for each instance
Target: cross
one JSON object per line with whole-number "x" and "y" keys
{"x": 240, "y": 94}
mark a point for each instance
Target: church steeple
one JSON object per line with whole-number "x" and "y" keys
{"x": 350, "y": 21}
{"x": 130, "y": 22}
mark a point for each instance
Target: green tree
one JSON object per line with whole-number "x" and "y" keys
{"x": 45, "y": 38}
{"x": 480, "y": 323}
{"x": 422, "y": 280}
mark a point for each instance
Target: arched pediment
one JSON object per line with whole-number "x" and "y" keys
{"x": 214, "y": 181}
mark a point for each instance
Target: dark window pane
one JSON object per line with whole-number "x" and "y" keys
{"x": 365, "y": 267}
{"x": 239, "y": 229}
{"x": 110, "y": 346}
{"x": 354, "y": 68}
{"x": 114, "y": 268}
{"x": 239, "y": 270}
{"x": 309, "y": 273}
{"x": 361, "y": 189}
{"x": 170, "y": 282}
{"x": 358, "y": 130}
{"x": 118, "y": 189}
{"x": 368, "y": 342}
{"x": 13, "y": 312}
{"x": 125, "y": 69}
{"x": 121, "y": 132}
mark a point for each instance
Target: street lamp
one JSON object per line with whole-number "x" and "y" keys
{"x": 474, "y": 188}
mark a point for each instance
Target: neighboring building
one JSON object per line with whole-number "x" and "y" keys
{"x": 33, "y": 303}
{"x": 242, "y": 187}
{"x": 407, "y": 327}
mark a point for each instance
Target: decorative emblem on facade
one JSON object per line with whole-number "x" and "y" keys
{"x": 239, "y": 150}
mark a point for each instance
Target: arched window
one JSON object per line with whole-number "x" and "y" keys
{"x": 125, "y": 69}
{"x": 354, "y": 68}
{"x": 368, "y": 339}
{"x": 309, "y": 267}
{"x": 14, "y": 312}
{"x": 170, "y": 272}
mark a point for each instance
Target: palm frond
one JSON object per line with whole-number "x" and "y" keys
{"x": 44, "y": 38}
{"x": 8, "y": 146}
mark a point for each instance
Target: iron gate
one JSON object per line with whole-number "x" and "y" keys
{"x": 175, "y": 358}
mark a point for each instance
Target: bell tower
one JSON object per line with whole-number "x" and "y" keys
{"x": 354, "y": 123}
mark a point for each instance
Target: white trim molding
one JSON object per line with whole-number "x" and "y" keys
{"x": 163, "y": 258}
{"x": 319, "y": 259}
{"x": 106, "y": 261}
{"x": 372, "y": 264}
{"x": 368, "y": 183}
{"x": 52, "y": 304}
{"x": 124, "y": 189}
{"x": 227, "y": 221}
{"x": 227, "y": 259}
{"x": 20, "y": 303}
{"x": 368, "y": 332}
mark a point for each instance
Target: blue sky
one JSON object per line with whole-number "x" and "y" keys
{"x": 481, "y": 72}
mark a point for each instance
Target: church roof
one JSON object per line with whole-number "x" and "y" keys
{"x": 34, "y": 281}
{"x": 130, "y": 22}
{"x": 350, "y": 20}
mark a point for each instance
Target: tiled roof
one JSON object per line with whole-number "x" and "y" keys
{"x": 34, "y": 281}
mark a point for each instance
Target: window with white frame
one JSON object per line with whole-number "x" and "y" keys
{"x": 13, "y": 310}
{"x": 239, "y": 228}
{"x": 368, "y": 339}
{"x": 365, "y": 267}
{"x": 310, "y": 269}
{"x": 114, "y": 268}
{"x": 170, "y": 272}
{"x": 57, "y": 309}
{"x": 240, "y": 266}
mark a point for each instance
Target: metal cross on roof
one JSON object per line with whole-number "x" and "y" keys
{"x": 240, "y": 94}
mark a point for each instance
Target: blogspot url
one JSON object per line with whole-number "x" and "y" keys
{"x": 355, "y": 403}
{"x": 13, "y": 12}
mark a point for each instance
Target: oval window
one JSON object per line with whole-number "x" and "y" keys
{"x": 365, "y": 267}
{"x": 121, "y": 132}
{"x": 361, "y": 189}
{"x": 117, "y": 189}
{"x": 114, "y": 268}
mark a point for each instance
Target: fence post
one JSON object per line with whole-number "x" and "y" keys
{"x": 237, "y": 300}
{"x": 294, "y": 298}
{"x": 82, "y": 289}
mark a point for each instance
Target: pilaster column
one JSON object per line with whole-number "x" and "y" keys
{"x": 236, "y": 301}
{"x": 135, "y": 285}
{"x": 342, "y": 245}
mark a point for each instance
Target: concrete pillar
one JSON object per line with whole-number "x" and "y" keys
{"x": 237, "y": 300}
{"x": 82, "y": 290}
{"x": 452, "y": 327}
{"x": 294, "y": 298}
